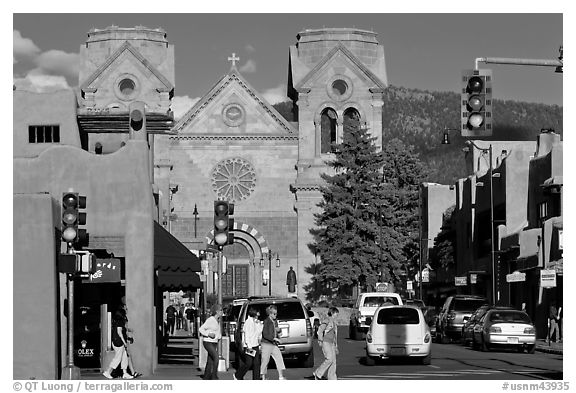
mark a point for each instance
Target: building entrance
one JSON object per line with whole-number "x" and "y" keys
{"x": 235, "y": 282}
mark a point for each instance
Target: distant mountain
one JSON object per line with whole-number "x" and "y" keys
{"x": 419, "y": 117}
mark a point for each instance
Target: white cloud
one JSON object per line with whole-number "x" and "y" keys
{"x": 249, "y": 67}
{"x": 57, "y": 62}
{"x": 182, "y": 104}
{"x": 24, "y": 48}
{"x": 276, "y": 94}
{"x": 51, "y": 69}
{"x": 41, "y": 83}
{"x": 249, "y": 48}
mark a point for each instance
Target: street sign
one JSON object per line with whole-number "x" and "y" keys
{"x": 548, "y": 278}
{"x": 409, "y": 286}
{"x": 460, "y": 281}
{"x": 516, "y": 277}
{"x": 265, "y": 274}
{"x": 473, "y": 278}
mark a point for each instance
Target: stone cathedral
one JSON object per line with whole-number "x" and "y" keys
{"x": 233, "y": 145}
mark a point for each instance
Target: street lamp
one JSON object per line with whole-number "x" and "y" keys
{"x": 269, "y": 256}
{"x": 445, "y": 141}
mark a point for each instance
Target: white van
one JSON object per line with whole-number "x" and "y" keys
{"x": 364, "y": 308}
{"x": 398, "y": 331}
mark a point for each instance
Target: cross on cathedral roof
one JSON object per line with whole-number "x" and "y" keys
{"x": 233, "y": 59}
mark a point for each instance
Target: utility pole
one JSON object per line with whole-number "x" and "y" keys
{"x": 559, "y": 63}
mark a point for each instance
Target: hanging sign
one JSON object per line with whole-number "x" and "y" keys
{"x": 460, "y": 281}
{"x": 548, "y": 278}
{"x": 516, "y": 277}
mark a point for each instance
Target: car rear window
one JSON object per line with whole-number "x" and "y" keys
{"x": 509, "y": 316}
{"x": 467, "y": 305}
{"x": 398, "y": 316}
{"x": 286, "y": 310}
{"x": 376, "y": 301}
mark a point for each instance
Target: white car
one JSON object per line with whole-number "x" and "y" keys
{"x": 500, "y": 328}
{"x": 398, "y": 331}
{"x": 364, "y": 308}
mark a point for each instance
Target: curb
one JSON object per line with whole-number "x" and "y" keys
{"x": 551, "y": 350}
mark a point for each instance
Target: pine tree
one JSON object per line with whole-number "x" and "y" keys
{"x": 368, "y": 226}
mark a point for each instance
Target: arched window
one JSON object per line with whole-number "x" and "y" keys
{"x": 327, "y": 130}
{"x": 351, "y": 118}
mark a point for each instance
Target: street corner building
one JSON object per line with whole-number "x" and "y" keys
{"x": 150, "y": 184}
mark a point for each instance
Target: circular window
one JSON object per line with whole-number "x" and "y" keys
{"x": 233, "y": 115}
{"x": 233, "y": 179}
{"x": 127, "y": 86}
{"x": 339, "y": 87}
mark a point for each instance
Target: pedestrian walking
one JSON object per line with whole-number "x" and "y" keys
{"x": 328, "y": 339}
{"x": 129, "y": 338}
{"x": 119, "y": 344}
{"x": 171, "y": 318}
{"x": 180, "y": 317}
{"x": 251, "y": 357}
{"x": 270, "y": 339}
{"x": 553, "y": 323}
{"x": 210, "y": 331}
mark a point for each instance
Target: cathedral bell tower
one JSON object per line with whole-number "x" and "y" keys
{"x": 335, "y": 75}
{"x": 119, "y": 67}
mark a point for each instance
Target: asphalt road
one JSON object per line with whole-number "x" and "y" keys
{"x": 449, "y": 362}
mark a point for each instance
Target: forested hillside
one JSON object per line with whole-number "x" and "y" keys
{"x": 419, "y": 117}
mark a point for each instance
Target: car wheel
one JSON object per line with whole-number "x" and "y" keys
{"x": 426, "y": 360}
{"x": 474, "y": 344}
{"x": 307, "y": 360}
{"x": 531, "y": 348}
{"x": 370, "y": 361}
{"x": 485, "y": 347}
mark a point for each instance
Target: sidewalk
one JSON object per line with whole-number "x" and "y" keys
{"x": 552, "y": 347}
{"x": 178, "y": 362}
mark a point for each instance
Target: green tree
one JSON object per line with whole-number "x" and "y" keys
{"x": 442, "y": 255}
{"x": 368, "y": 225}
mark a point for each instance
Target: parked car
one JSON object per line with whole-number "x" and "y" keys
{"x": 416, "y": 302}
{"x": 293, "y": 319}
{"x": 398, "y": 331}
{"x": 314, "y": 319}
{"x": 452, "y": 314}
{"x": 364, "y": 308}
{"x": 469, "y": 323}
{"x": 431, "y": 318}
{"x": 505, "y": 328}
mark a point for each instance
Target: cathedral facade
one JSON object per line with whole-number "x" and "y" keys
{"x": 233, "y": 145}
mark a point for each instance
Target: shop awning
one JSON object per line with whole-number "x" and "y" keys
{"x": 171, "y": 255}
{"x": 176, "y": 281}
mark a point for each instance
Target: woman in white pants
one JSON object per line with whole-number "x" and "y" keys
{"x": 270, "y": 341}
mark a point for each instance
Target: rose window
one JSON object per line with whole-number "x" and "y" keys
{"x": 233, "y": 179}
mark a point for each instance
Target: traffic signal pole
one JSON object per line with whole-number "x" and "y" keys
{"x": 70, "y": 371}
{"x": 558, "y": 63}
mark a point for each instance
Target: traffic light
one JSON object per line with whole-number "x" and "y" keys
{"x": 72, "y": 217}
{"x": 476, "y": 104}
{"x": 223, "y": 224}
{"x": 137, "y": 120}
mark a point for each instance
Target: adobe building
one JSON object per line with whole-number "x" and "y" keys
{"x": 233, "y": 145}
{"x": 434, "y": 202}
{"x": 536, "y": 247}
{"x": 510, "y": 190}
{"x": 84, "y": 143}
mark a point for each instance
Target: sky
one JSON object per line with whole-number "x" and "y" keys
{"x": 426, "y": 51}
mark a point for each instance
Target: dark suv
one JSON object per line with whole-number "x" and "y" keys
{"x": 452, "y": 314}
{"x": 293, "y": 319}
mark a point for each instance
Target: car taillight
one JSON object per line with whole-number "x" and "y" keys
{"x": 427, "y": 338}
{"x": 451, "y": 315}
{"x": 495, "y": 329}
{"x": 309, "y": 331}
{"x": 529, "y": 330}
{"x": 369, "y": 337}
